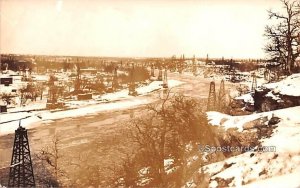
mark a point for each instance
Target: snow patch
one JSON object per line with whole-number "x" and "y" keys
{"x": 288, "y": 86}
{"x": 277, "y": 168}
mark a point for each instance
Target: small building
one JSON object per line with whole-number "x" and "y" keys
{"x": 6, "y": 81}
{"x": 89, "y": 71}
{"x": 85, "y": 96}
{"x": 3, "y": 108}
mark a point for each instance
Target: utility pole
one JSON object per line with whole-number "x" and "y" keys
{"x": 21, "y": 170}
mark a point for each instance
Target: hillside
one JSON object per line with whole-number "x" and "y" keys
{"x": 275, "y": 161}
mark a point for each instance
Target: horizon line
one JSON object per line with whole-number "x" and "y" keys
{"x": 134, "y": 57}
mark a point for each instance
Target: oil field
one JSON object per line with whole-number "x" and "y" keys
{"x": 149, "y": 93}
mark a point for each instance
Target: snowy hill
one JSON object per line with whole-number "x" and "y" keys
{"x": 276, "y": 163}
{"x": 289, "y": 86}
{"x": 272, "y": 96}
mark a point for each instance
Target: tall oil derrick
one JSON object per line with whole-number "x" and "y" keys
{"x": 132, "y": 90}
{"x": 165, "y": 79}
{"x": 172, "y": 64}
{"x": 181, "y": 64}
{"x": 221, "y": 70}
{"x": 23, "y": 70}
{"x": 21, "y": 171}
{"x": 78, "y": 77}
{"x": 222, "y": 96}
{"x": 254, "y": 82}
{"x": 233, "y": 77}
{"x": 178, "y": 64}
{"x": 194, "y": 66}
{"x": 267, "y": 75}
{"x": 52, "y": 93}
{"x": 159, "y": 78}
{"x": 115, "y": 83}
{"x": 207, "y": 59}
{"x": 211, "y": 103}
{"x": 152, "y": 70}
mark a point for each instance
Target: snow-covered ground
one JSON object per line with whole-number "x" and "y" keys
{"x": 247, "y": 98}
{"x": 112, "y": 101}
{"x": 239, "y": 122}
{"x": 288, "y": 180}
{"x": 278, "y": 165}
{"x": 289, "y": 86}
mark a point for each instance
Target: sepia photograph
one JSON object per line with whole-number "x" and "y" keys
{"x": 150, "y": 93}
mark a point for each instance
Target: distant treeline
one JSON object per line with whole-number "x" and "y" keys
{"x": 17, "y": 63}
{"x": 245, "y": 66}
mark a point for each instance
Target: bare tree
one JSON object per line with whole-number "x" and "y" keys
{"x": 169, "y": 128}
{"x": 7, "y": 98}
{"x": 49, "y": 156}
{"x": 28, "y": 92}
{"x": 126, "y": 174}
{"x": 283, "y": 45}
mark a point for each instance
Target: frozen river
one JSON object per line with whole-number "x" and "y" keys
{"x": 97, "y": 140}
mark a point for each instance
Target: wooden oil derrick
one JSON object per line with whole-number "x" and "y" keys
{"x": 181, "y": 64}
{"x": 222, "y": 96}
{"x": 77, "y": 86}
{"x": 165, "y": 79}
{"x": 211, "y": 103}
{"x": 207, "y": 59}
{"x": 233, "y": 77}
{"x": 222, "y": 68}
{"x": 254, "y": 82}
{"x": 115, "y": 83}
{"x": 159, "y": 78}
{"x": 132, "y": 90}
{"x": 267, "y": 75}
{"x": 194, "y": 66}
{"x": 152, "y": 70}
{"x": 172, "y": 64}
{"x": 53, "y": 90}
{"x": 21, "y": 171}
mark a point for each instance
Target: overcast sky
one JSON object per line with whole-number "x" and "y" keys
{"x": 229, "y": 28}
